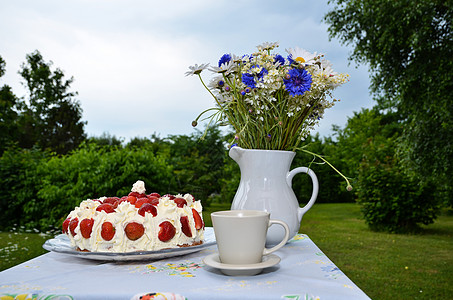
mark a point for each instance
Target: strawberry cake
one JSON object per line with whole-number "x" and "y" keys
{"x": 136, "y": 222}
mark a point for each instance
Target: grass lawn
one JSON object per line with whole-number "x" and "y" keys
{"x": 384, "y": 266}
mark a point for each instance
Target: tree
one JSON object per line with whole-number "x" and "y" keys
{"x": 408, "y": 46}
{"x": 52, "y": 119}
{"x": 9, "y": 106}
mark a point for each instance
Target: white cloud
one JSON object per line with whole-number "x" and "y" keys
{"x": 128, "y": 58}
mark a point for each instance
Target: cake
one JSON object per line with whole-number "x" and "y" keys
{"x": 136, "y": 222}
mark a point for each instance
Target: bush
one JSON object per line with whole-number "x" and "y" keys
{"x": 92, "y": 172}
{"x": 42, "y": 189}
{"x": 20, "y": 183}
{"x": 390, "y": 199}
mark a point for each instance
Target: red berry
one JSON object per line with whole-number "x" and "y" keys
{"x": 107, "y": 231}
{"x": 147, "y": 207}
{"x": 169, "y": 196}
{"x": 154, "y": 201}
{"x": 136, "y": 195}
{"x": 154, "y": 195}
{"x": 141, "y": 201}
{"x": 66, "y": 225}
{"x": 86, "y": 227}
{"x": 180, "y": 202}
{"x": 134, "y": 231}
{"x": 107, "y": 207}
{"x": 131, "y": 199}
{"x": 117, "y": 203}
{"x": 111, "y": 200}
{"x": 167, "y": 231}
{"x": 185, "y": 227}
{"x": 72, "y": 226}
{"x": 198, "y": 220}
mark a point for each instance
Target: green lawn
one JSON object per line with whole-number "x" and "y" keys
{"x": 384, "y": 266}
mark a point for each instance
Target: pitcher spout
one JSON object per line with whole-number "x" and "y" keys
{"x": 236, "y": 153}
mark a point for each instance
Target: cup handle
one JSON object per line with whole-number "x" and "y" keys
{"x": 283, "y": 242}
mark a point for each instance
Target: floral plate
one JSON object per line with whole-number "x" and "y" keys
{"x": 62, "y": 244}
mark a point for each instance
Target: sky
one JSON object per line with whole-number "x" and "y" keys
{"x": 129, "y": 58}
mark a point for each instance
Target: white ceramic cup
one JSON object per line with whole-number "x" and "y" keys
{"x": 241, "y": 235}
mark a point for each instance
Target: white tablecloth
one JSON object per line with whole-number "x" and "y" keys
{"x": 304, "y": 272}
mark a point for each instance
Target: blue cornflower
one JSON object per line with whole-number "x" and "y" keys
{"x": 279, "y": 59}
{"x": 224, "y": 59}
{"x": 247, "y": 58}
{"x": 262, "y": 73}
{"x": 298, "y": 83}
{"x": 249, "y": 80}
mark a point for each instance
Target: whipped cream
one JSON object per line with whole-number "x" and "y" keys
{"x": 125, "y": 213}
{"x": 139, "y": 187}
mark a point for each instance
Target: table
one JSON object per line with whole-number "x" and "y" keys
{"x": 304, "y": 272}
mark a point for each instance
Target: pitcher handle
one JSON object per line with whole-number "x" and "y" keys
{"x": 314, "y": 194}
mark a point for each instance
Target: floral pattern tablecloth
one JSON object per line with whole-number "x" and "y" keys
{"x": 304, "y": 272}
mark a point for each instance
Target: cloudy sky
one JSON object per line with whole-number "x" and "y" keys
{"x": 128, "y": 58}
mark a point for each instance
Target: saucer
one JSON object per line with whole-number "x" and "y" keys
{"x": 213, "y": 260}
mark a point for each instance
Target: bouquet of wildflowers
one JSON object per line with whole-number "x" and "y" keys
{"x": 270, "y": 101}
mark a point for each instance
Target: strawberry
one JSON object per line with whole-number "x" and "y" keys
{"x": 169, "y": 196}
{"x": 185, "y": 227}
{"x": 136, "y": 195}
{"x": 117, "y": 203}
{"x": 198, "y": 220}
{"x": 107, "y": 207}
{"x": 154, "y": 201}
{"x": 86, "y": 227}
{"x": 72, "y": 226}
{"x": 141, "y": 201}
{"x": 167, "y": 231}
{"x": 131, "y": 199}
{"x": 111, "y": 200}
{"x": 66, "y": 225}
{"x": 157, "y": 195}
{"x": 180, "y": 202}
{"x": 134, "y": 231}
{"x": 147, "y": 207}
{"x": 107, "y": 231}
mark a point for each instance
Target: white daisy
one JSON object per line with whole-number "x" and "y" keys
{"x": 302, "y": 56}
{"x": 267, "y": 46}
{"x": 226, "y": 68}
{"x": 216, "y": 83}
{"x": 326, "y": 68}
{"x": 195, "y": 70}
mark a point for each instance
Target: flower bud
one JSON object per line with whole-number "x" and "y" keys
{"x": 194, "y": 123}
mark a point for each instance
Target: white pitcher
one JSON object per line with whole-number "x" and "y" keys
{"x": 266, "y": 184}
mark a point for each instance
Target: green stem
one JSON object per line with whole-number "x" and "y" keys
{"x": 324, "y": 160}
